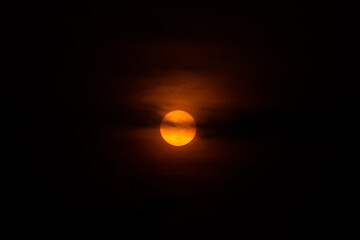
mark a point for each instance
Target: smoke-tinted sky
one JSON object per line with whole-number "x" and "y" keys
{"x": 258, "y": 79}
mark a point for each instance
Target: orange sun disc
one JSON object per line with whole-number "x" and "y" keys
{"x": 178, "y": 128}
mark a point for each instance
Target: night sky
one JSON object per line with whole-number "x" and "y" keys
{"x": 91, "y": 83}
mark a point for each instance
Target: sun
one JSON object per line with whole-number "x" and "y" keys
{"x": 178, "y": 128}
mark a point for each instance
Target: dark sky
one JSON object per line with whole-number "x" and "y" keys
{"x": 92, "y": 82}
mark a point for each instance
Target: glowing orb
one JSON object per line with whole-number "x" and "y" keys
{"x": 178, "y": 128}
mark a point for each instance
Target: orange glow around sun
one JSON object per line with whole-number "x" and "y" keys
{"x": 178, "y": 128}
